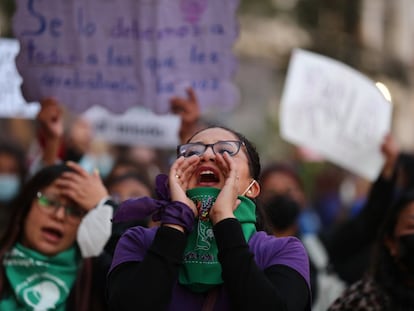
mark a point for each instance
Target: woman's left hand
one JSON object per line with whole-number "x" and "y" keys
{"x": 85, "y": 189}
{"x": 227, "y": 200}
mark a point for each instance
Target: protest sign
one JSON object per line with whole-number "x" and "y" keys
{"x": 135, "y": 127}
{"x": 12, "y": 104}
{"x": 336, "y": 111}
{"x": 124, "y": 53}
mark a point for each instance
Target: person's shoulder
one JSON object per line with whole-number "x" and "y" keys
{"x": 264, "y": 240}
{"x": 139, "y": 234}
{"x": 133, "y": 245}
{"x": 285, "y": 251}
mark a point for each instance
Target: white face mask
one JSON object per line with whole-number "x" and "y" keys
{"x": 248, "y": 187}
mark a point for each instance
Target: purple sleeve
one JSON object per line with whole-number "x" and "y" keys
{"x": 133, "y": 245}
{"x": 145, "y": 268}
{"x": 267, "y": 273}
{"x": 288, "y": 251}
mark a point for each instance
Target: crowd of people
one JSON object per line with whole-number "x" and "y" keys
{"x": 211, "y": 228}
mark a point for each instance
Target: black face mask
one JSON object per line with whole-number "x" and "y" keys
{"x": 407, "y": 251}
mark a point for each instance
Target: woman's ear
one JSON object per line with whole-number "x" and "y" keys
{"x": 254, "y": 190}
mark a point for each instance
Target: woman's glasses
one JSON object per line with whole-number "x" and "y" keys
{"x": 50, "y": 205}
{"x": 232, "y": 147}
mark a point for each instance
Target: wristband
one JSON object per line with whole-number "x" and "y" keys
{"x": 176, "y": 213}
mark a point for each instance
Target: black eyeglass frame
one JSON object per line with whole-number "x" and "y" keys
{"x": 238, "y": 143}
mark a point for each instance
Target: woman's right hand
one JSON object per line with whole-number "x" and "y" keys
{"x": 179, "y": 176}
{"x": 86, "y": 189}
{"x": 50, "y": 119}
{"x": 227, "y": 201}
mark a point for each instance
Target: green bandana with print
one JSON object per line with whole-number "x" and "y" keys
{"x": 39, "y": 282}
{"x": 201, "y": 269}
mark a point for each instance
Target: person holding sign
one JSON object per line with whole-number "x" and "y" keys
{"x": 349, "y": 243}
{"x": 72, "y": 143}
{"x": 45, "y": 254}
{"x": 13, "y": 170}
{"x": 206, "y": 253}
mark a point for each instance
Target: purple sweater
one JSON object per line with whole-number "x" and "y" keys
{"x": 268, "y": 251}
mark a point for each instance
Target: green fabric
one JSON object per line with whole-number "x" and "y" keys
{"x": 39, "y": 282}
{"x": 201, "y": 269}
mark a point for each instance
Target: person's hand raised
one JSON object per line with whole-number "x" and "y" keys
{"x": 188, "y": 109}
{"x": 86, "y": 189}
{"x": 179, "y": 176}
{"x": 227, "y": 200}
{"x": 390, "y": 150}
{"x": 50, "y": 119}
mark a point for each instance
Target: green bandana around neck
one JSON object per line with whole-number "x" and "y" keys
{"x": 39, "y": 282}
{"x": 201, "y": 269}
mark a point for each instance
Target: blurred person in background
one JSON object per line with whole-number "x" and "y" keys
{"x": 13, "y": 170}
{"x": 47, "y": 249}
{"x": 326, "y": 195}
{"x": 349, "y": 243}
{"x": 124, "y": 185}
{"x": 280, "y": 214}
{"x": 282, "y": 178}
{"x": 67, "y": 137}
{"x": 353, "y": 192}
{"x": 389, "y": 281}
{"x": 132, "y": 184}
{"x": 124, "y": 164}
{"x": 151, "y": 159}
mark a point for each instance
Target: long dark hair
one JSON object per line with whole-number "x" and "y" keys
{"x": 46, "y": 176}
{"x": 386, "y": 270}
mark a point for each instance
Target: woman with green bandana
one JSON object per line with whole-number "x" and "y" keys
{"x": 43, "y": 254}
{"x": 206, "y": 254}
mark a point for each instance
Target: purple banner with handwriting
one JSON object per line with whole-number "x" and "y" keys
{"x": 123, "y": 53}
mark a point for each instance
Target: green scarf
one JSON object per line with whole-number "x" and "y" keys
{"x": 39, "y": 282}
{"x": 201, "y": 269}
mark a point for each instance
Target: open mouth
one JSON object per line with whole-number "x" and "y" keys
{"x": 208, "y": 177}
{"x": 52, "y": 234}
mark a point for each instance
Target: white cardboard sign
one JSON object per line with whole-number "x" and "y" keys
{"x": 12, "y": 103}
{"x": 335, "y": 110}
{"x": 120, "y": 54}
{"x": 135, "y": 127}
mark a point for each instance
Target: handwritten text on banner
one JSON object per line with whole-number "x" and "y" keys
{"x": 336, "y": 111}
{"x": 124, "y": 53}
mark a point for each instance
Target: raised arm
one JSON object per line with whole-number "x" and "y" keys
{"x": 50, "y": 127}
